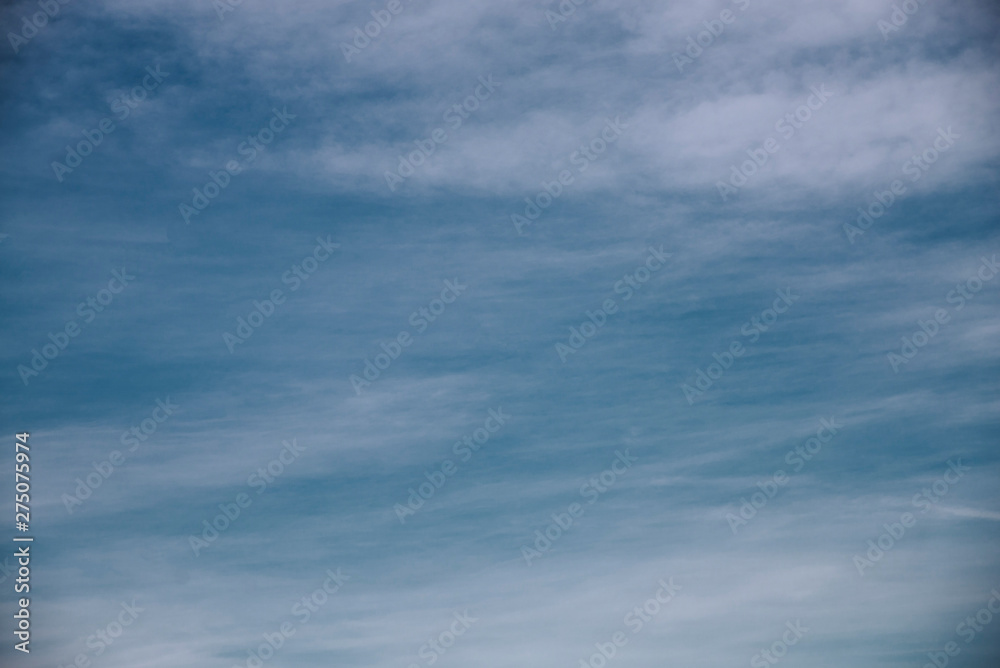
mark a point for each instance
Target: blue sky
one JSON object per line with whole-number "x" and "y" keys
{"x": 557, "y": 175}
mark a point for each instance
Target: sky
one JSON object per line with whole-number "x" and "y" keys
{"x": 523, "y": 333}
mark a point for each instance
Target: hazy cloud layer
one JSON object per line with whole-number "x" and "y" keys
{"x": 853, "y": 293}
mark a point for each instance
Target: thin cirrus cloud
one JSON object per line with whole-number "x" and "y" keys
{"x": 495, "y": 345}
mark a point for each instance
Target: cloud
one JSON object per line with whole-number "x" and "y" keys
{"x": 494, "y": 346}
